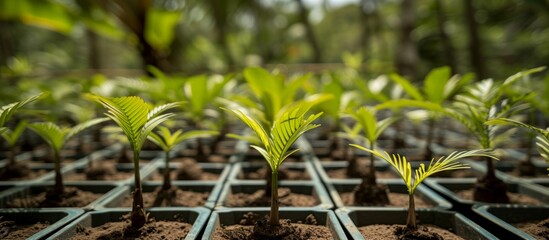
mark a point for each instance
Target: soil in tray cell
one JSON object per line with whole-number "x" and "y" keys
{"x": 259, "y": 199}
{"x": 174, "y": 197}
{"x": 72, "y": 197}
{"x": 9, "y": 230}
{"x": 537, "y": 229}
{"x": 390, "y": 232}
{"x": 253, "y": 227}
{"x": 166, "y": 230}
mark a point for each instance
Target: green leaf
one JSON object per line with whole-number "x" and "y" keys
{"x": 434, "y": 84}
{"x": 366, "y": 118}
{"x": 160, "y": 27}
{"x": 196, "y": 90}
{"x": 407, "y": 86}
{"x": 404, "y": 169}
{"x": 135, "y": 117}
{"x": 83, "y": 126}
{"x": 166, "y": 140}
{"x": 7, "y": 111}
{"x": 517, "y": 76}
{"x": 51, "y": 133}
{"x": 41, "y": 13}
{"x": 286, "y": 129}
{"x": 12, "y": 136}
{"x": 56, "y": 136}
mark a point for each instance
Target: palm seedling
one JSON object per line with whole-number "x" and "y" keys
{"x": 200, "y": 92}
{"x": 368, "y": 191}
{"x": 542, "y": 138}
{"x": 11, "y": 136}
{"x": 341, "y": 100}
{"x": 12, "y": 168}
{"x": 137, "y": 119}
{"x": 481, "y": 102}
{"x": 7, "y": 111}
{"x": 289, "y": 124}
{"x": 404, "y": 169}
{"x": 438, "y": 88}
{"x": 167, "y": 140}
{"x": 57, "y": 137}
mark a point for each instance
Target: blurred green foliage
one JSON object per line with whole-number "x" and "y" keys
{"x": 192, "y": 36}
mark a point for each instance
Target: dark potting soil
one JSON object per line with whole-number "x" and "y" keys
{"x": 152, "y": 230}
{"x": 99, "y": 173}
{"x": 395, "y": 200}
{"x": 9, "y": 230}
{"x": 72, "y": 197}
{"x": 259, "y": 199}
{"x": 175, "y": 197}
{"x": 204, "y": 176}
{"x": 283, "y": 174}
{"x": 191, "y": 153}
{"x": 189, "y": 169}
{"x": 515, "y": 198}
{"x": 251, "y": 228}
{"x": 537, "y": 229}
{"x": 20, "y": 172}
{"x": 395, "y": 232}
{"x": 342, "y": 174}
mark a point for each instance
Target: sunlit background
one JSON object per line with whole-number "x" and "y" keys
{"x": 492, "y": 38}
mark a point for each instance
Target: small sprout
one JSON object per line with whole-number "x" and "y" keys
{"x": 56, "y": 137}
{"x": 287, "y": 127}
{"x": 404, "y": 169}
{"x": 137, "y": 119}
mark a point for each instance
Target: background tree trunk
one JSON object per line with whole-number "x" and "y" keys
{"x": 220, "y": 14}
{"x": 448, "y": 49}
{"x": 304, "y": 18}
{"x": 406, "y": 60}
{"x": 475, "y": 46}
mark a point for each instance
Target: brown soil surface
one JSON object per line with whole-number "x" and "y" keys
{"x": 387, "y": 232}
{"x": 395, "y": 200}
{"x": 111, "y": 175}
{"x": 342, "y": 174}
{"x": 179, "y": 198}
{"x": 73, "y": 197}
{"x": 538, "y": 229}
{"x": 515, "y": 198}
{"x": 25, "y": 175}
{"x": 152, "y": 230}
{"x": 204, "y": 176}
{"x": 189, "y": 169}
{"x": 191, "y": 154}
{"x": 9, "y": 230}
{"x": 259, "y": 199}
{"x": 293, "y": 231}
{"x": 114, "y": 161}
{"x": 288, "y": 174}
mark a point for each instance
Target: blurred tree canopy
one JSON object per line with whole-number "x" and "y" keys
{"x": 491, "y": 38}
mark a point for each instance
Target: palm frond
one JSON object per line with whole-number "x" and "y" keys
{"x": 287, "y": 129}
{"x": 135, "y": 117}
{"x": 404, "y": 169}
{"x": 167, "y": 140}
{"x": 51, "y": 133}
{"x": 543, "y": 147}
{"x": 407, "y": 86}
{"x": 129, "y": 113}
{"x": 447, "y": 163}
{"x": 12, "y": 136}
{"x": 508, "y": 121}
{"x": 252, "y": 139}
{"x": 8, "y": 110}
{"x": 252, "y": 124}
{"x": 83, "y": 126}
{"x": 400, "y": 164}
